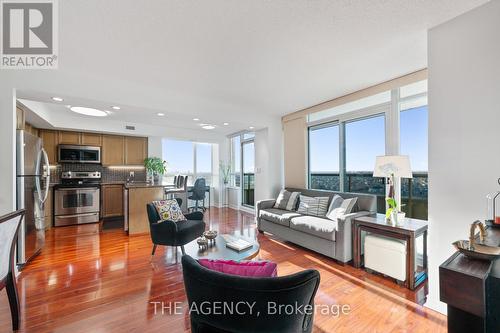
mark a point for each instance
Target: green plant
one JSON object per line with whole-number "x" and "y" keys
{"x": 155, "y": 165}
{"x": 393, "y": 205}
{"x": 225, "y": 170}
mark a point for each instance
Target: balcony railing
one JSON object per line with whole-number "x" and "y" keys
{"x": 248, "y": 189}
{"x": 413, "y": 191}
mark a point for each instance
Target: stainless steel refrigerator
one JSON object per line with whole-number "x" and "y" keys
{"x": 32, "y": 187}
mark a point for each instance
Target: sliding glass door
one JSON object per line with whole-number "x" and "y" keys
{"x": 248, "y": 165}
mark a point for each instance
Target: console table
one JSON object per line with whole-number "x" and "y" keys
{"x": 471, "y": 289}
{"x": 409, "y": 230}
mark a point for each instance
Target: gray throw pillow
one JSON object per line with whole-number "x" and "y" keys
{"x": 287, "y": 200}
{"x": 335, "y": 203}
{"x": 348, "y": 205}
{"x": 313, "y": 206}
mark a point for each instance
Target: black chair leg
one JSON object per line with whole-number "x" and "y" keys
{"x": 13, "y": 300}
{"x": 154, "y": 250}
{"x": 182, "y": 250}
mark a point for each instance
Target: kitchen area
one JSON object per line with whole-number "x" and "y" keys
{"x": 76, "y": 177}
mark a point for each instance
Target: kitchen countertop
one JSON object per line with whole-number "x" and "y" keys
{"x": 146, "y": 185}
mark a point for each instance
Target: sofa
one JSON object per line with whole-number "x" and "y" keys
{"x": 320, "y": 234}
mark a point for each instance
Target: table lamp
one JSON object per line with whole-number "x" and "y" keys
{"x": 392, "y": 166}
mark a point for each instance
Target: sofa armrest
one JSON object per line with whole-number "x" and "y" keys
{"x": 343, "y": 237}
{"x": 263, "y": 204}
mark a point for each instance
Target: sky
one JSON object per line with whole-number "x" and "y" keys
{"x": 365, "y": 139}
{"x": 180, "y": 156}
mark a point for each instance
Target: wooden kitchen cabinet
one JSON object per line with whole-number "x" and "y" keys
{"x": 112, "y": 202}
{"x": 69, "y": 138}
{"x": 113, "y": 150}
{"x": 91, "y": 139}
{"x": 50, "y": 141}
{"x": 136, "y": 150}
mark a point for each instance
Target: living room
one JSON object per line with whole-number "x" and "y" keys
{"x": 260, "y": 166}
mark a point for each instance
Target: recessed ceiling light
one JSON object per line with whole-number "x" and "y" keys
{"x": 115, "y": 107}
{"x": 251, "y": 127}
{"x": 88, "y": 111}
{"x": 225, "y": 124}
{"x": 108, "y": 112}
{"x": 196, "y": 119}
{"x": 160, "y": 114}
{"x": 208, "y": 127}
{"x": 68, "y": 106}
{"x": 57, "y": 99}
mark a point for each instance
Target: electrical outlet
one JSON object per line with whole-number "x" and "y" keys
{"x": 132, "y": 174}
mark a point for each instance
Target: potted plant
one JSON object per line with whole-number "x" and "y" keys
{"x": 155, "y": 167}
{"x": 225, "y": 170}
{"x": 392, "y": 212}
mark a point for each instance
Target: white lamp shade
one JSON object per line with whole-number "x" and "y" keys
{"x": 393, "y": 165}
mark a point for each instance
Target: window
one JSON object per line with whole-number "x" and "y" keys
{"x": 324, "y": 157}
{"x": 414, "y": 192}
{"x": 364, "y": 141}
{"x": 248, "y": 185}
{"x": 187, "y": 158}
{"x": 179, "y": 156}
{"x": 344, "y": 141}
{"x": 204, "y": 161}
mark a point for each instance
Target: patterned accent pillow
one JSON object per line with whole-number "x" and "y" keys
{"x": 313, "y": 206}
{"x": 169, "y": 210}
{"x": 287, "y": 200}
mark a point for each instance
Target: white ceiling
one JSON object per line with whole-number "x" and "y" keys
{"x": 236, "y": 61}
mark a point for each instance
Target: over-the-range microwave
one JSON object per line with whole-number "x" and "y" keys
{"x": 78, "y": 154}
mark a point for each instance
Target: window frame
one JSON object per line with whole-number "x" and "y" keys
{"x": 391, "y": 110}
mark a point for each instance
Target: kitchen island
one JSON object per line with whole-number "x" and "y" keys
{"x": 135, "y": 198}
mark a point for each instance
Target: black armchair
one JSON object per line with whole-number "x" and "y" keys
{"x": 175, "y": 234}
{"x": 206, "y": 288}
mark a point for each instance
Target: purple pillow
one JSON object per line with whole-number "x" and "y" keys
{"x": 242, "y": 268}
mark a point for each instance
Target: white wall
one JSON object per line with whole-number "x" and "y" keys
{"x": 464, "y": 119}
{"x": 7, "y": 150}
{"x": 268, "y": 161}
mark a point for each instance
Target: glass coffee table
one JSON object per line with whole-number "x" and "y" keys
{"x": 218, "y": 250}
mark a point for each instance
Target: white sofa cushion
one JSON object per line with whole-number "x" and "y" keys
{"x": 316, "y": 226}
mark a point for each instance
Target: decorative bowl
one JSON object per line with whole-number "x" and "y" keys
{"x": 210, "y": 234}
{"x": 480, "y": 251}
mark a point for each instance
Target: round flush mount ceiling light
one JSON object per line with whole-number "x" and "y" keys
{"x": 88, "y": 111}
{"x": 114, "y": 107}
{"x": 160, "y": 114}
{"x": 208, "y": 127}
{"x": 57, "y": 99}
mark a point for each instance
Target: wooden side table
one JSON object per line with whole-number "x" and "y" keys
{"x": 409, "y": 231}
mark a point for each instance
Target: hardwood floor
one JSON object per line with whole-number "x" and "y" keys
{"x": 91, "y": 281}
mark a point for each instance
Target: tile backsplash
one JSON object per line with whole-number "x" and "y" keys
{"x": 108, "y": 174}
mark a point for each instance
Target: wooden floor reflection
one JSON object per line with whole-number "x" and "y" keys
{"x": 91, "y": 281}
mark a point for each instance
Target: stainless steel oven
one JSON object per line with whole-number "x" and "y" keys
{"x": 78, "y": 154}
{"x": 77, "y": 200}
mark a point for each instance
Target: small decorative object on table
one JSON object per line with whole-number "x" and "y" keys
{"x": 210, "y": 235}
{"x": 202, "y": 243}
{"x": 391, "y": 167}
{"x": 493, "y": 209}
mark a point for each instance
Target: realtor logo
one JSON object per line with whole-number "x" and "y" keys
{"x": 29, "y": 34}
